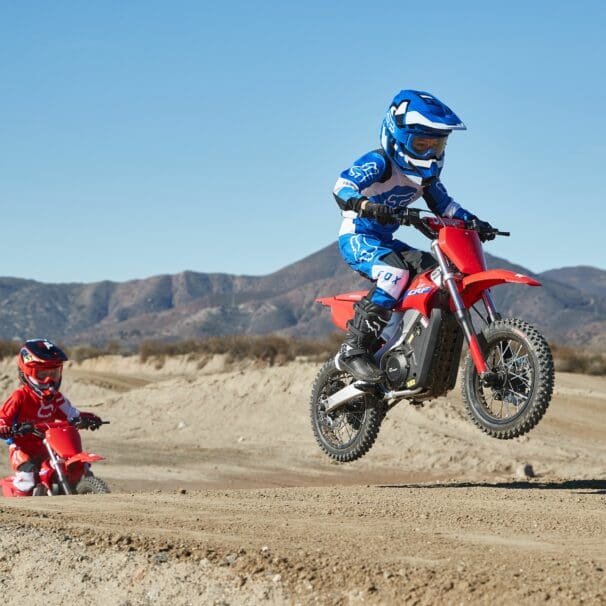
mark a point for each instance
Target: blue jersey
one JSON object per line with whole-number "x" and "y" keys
{"x": 375, "y": 177}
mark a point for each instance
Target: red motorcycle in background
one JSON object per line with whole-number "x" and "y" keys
{"x": 66, "y": 470}
{"x": 508, "y": 371}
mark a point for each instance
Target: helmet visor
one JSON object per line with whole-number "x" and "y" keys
{"x": 427, "y": 147}
{"x": 47, "y": 375}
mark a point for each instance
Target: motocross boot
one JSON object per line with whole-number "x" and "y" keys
{"x": 355, "y": 355}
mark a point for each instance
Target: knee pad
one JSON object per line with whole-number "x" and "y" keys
{"x": 24, "y": 481}
{"x": 391, "y": 280}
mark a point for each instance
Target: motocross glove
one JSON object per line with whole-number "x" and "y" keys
{"x": 87, "y": 420}
{"x": 381, "y": 213}
{"x": 5, "y": 432}
{"x": 485, "y": 230}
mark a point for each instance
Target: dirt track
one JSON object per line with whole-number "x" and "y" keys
{"x": 222, "y": 497}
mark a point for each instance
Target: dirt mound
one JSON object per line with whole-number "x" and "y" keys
{"x": 250, "y": 427}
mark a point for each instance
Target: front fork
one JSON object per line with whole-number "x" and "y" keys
{"x": 493, "y": 314}
{"x": 58, "y": 467}
{"x": 463, "y": 316}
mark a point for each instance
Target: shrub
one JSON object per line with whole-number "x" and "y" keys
{"x": 270, "y": 349}
{"x": 582, "y": 362}
{"x": 79, "y": 353}
{"x": 8, "y": 349}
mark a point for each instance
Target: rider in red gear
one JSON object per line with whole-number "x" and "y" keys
{"x": 37, "y": 400}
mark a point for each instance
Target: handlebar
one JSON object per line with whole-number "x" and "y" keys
{"x": 430, "y": 226}
{"x": 38, "y": 429}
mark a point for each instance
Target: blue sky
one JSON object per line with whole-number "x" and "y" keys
{"x": 144, "y": 137}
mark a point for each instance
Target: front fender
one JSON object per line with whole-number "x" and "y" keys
{"x": 83, "y": 457}
{"x": 472, "y": 286}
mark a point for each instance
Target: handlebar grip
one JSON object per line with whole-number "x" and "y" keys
{"x": 22, "y": 429}
{"x": 503, "y": 233}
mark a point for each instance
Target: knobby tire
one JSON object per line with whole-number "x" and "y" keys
{"x": 364, "y": 416}
{"x": 523, "y": 356}
{"x": 92, "y": 485}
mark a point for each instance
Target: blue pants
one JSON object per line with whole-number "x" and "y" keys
{"x": 389, "y": 264}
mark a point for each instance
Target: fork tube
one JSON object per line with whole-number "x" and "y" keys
{"x": 493, "y": 314}
{"x": 57, "y": 467}
{"x": 461, "y": 312}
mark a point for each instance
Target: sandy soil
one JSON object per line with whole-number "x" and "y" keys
{"x": 220, "y": 496}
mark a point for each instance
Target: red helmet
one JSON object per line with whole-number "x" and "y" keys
{"x": 40, "y": 367}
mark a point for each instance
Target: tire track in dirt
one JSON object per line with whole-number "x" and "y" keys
{"x": 381, "y": 544}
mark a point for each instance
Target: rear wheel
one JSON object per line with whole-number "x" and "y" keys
{"x": 349, "y": 432}
{"x": 92, "y": 485}
{"x": 519, "y": 355}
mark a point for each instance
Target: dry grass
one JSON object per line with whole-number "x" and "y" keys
{"x": 80, "y": 353}
{"x": 9, "y": 348}
{"x": 582, "y": 362}
{"x": 274, "y": 349}
{"x": 271, "y": 349}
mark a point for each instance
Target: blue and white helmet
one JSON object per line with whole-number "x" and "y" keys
{"x": 415, "y": 130}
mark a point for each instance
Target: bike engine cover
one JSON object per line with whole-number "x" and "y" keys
{"x": 396, "y": 368}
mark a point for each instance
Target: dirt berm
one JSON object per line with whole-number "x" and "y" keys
{"x": 220, "y": 496}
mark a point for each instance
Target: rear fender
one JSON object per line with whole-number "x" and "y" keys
{"x": 471, "y": 287}
{"x": 341, "y": 306}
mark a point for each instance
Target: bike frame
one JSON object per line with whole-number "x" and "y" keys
{"x": 461, "y": 273}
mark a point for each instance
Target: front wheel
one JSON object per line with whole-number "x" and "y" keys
{"x": 349, "y": 432}
{"x": 92, "y": 485}
{"x": 520, "y": 356}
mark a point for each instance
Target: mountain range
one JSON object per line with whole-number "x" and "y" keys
{"x": 569, "y": 308}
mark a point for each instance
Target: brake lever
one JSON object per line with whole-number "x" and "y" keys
{"x": 474, "y": 224}
{"x": 410, "y": 216}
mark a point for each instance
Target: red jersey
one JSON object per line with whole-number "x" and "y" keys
{"x": 23, "y": 406}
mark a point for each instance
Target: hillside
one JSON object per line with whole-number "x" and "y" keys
{"x": 568, "y": 308}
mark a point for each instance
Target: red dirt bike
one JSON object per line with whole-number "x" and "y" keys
{"x": 66, "y": 470}
{"x": 508, "y": 372}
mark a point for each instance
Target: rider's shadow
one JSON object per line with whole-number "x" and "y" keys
{"x": 597, "y": 487}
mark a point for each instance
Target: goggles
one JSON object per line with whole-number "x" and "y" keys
{"x": 47, "y": 375}
{"x": 427, "y": 147}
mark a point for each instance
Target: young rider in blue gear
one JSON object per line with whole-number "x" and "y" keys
{"x": 370, "y": 194}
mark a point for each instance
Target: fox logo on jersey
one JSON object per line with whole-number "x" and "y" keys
{"x": 365, "y": 173}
